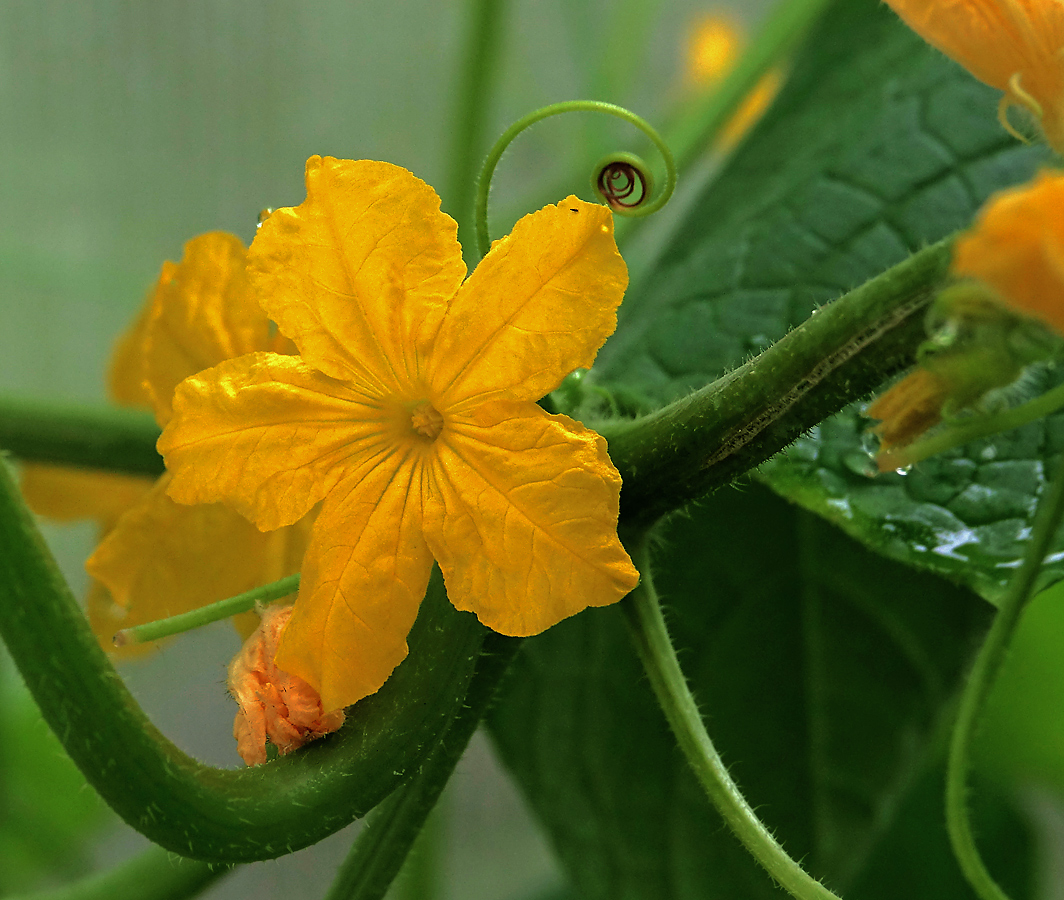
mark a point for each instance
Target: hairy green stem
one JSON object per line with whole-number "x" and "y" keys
{"x": 981, "y": 682}
{"x": 710, "y": 437}
{"x": 781, "y": 32}
{"x": 104, "y": 437}
{"x": 557, "y": 109}
{"x": 212, "y": 612}
{"x": 475, "y": 88}
{"x": 379, "y": 852}
{"x": 200, "y": 811}
{"x": 647, "y": 626}
{"x": 155, "y": 874}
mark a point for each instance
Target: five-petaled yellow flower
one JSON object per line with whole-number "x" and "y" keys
{"x": 1016, "y": 46}
{"x": 411, "y": 414}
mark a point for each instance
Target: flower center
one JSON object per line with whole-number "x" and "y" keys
{"x": 426, "y": 420}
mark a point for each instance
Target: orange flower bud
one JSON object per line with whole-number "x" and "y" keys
{"x": 273, "y": 704}
{"x": 1013, "y": 45}
{"x": 1017, "y": 248}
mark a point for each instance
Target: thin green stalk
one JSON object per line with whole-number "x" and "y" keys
{"x": 104, "y": 437}
{"x": 212, "y": 612}
{"x": 981, "y": 682}
{"x": 556, "y": 109}
{"x": 475, "y": 88}
{"x": 780, "y": 33}
{"x": 647, "y": 627}
{"x": 200, "y": 811}
{"x": 155, "y": 874}
{"x": 378, "y": 854}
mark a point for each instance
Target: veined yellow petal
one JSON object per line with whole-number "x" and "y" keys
{"x": 538, "y": 306}
{"x": 364, "y": 576}
{"x": 360, "y": 274}
{"x": 268, "y": 435}
{"x": 523, "y": 520}
{"x": 163, "y": 558}
{"x": 65, "y": 493}
{"x": 202, "y": 313}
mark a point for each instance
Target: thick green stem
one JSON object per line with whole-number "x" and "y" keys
{"x": 647, "y": 626}
{"x": 105, "y": 437}
{"x": 475, "y": 87}
{"x": 778, "y": 36}
{"x": 196, "y": 810}
{"x": 981, "y": 681}
{"x": 155, "y": 874}
{"x": 845, "y": 350}
{"x": 380, "y": 850}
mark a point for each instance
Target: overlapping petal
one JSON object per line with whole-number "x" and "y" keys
{"x": 364, "y": 576}
{"x": 162, "y": 558}
{"x": 64, "y": 493}
{"x": 360, "y": 274}
{"x": 1017, "y": 247}
{"x": 538, "y": 306}
{"x": 201, "y": 314}
{"x": 268, "y": 435}
{"x": 524, "y": 519}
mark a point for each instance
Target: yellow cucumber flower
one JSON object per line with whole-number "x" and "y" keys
{"x": 1005, "y": 312}
{"x": 411, "y": 414}
{"x": 1016, "y": 46}
{"x": 161, "y": 558}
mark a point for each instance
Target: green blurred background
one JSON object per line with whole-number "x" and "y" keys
{"x": 125, "y": 129}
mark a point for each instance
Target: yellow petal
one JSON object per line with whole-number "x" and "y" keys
{"x": 202, "y": 313}
{"x": 1017, "y": 247}
{"x": 364, "y": 576}
{"x": 65, "y": 493}
{"x": 361, "y": 272}
{"x": 266, "y": 434}
{"x": 524, "y": 518}
{"x": 538, "y": 306}
{"x": 126, "y": 376}
{"x": 162, "y": 558}
{"x": 713, "y": 46}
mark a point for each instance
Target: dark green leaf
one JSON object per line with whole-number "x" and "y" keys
{"x": 877, "y": 146}
{"x": 823, "y": 670}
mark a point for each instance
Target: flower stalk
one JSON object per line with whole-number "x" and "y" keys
{"x": 650, "y": 634}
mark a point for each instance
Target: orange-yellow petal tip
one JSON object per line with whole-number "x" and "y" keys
{"x": 906, "y": 411}
{"x": 1016, "y": 246}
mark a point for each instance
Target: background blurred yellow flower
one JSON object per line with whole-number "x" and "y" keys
{"x": 411, "y": 415}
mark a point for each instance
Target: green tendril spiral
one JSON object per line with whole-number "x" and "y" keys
{"x": 621, "y": 180}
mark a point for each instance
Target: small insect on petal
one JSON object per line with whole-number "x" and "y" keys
{"x": 273, "y": 704}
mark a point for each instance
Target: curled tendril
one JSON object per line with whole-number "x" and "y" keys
{"x": 621, "y": 180}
